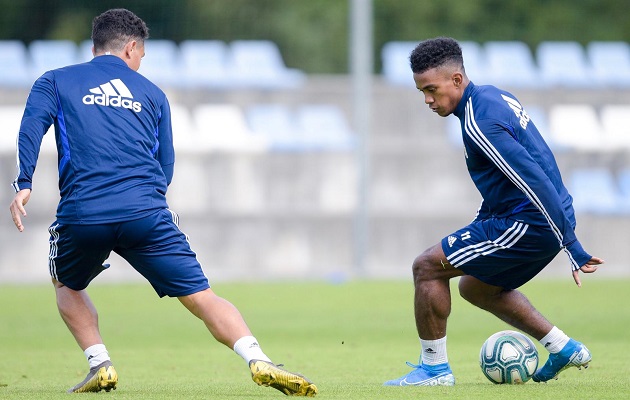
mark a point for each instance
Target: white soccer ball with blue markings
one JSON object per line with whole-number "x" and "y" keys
{"x": 508, "y": 357}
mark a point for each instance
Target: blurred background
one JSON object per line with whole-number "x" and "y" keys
{"x": 304, "y": 149}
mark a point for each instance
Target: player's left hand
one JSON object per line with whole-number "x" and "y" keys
{"x": 588, "y": 268}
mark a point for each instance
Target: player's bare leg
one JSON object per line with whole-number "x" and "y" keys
{"x": 432, "y": 307}
{"x": 226, "y": 324}
{"x": 221, "y": 317}
{"x": 514, "y": 308}
{"x": 511, "y": 306}
{"x": 79, "y": 314}
{"x": 81, "y": 318}
{"x": 432, "y": 299}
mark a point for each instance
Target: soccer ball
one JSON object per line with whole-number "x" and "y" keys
{"x": 508, "y": 357}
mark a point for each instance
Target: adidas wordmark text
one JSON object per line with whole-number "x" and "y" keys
{"x": 112, "y": 94}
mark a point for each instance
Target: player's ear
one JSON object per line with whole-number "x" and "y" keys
{"x": 130, "y": 47}
{"x": 457, "y": 79}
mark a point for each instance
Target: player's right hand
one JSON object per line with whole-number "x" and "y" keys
{"x": 17, "y": 207}
{"x": 588, "y": 268}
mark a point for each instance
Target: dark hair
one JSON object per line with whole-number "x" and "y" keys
{"x": 433, "y": 53}
{"x": 116, "y": 27}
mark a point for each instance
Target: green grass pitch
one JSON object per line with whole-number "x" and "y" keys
{"x": 348, "y": 338}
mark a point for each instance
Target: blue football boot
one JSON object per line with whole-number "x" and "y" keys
{"x": 573, "y": 354}
{"x": 425, "y": 375}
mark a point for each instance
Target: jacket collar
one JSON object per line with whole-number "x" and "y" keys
{"x": 459, "y": 110}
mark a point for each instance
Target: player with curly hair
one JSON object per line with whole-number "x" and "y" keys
{"x": 525, "y": 219}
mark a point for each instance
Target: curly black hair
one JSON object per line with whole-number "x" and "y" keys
{"x": 116, "y": 27}
{"x": 436, "y": 52}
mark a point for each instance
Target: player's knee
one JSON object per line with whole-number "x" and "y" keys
{"x": 422, "y": 267}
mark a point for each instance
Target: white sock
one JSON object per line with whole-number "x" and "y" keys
{"x": 433, "y": 351}
{"x": 555, "y": 340}
{"x": 96, "y": 354}
{"x": 248, "y": 348}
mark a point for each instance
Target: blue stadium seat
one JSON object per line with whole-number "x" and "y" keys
{"x": 324, "y": 127}
{"x": 511, "y": 64}
{"x": 185, "y": 133}
{"x": 623, "y": 180}
{"x": 616, "y": 130}
{"x": 475, "y": 62}
{"x": 594, "y": 190}
{"x": 610, "y": 62}
{"x": 278, "y": 124}
{"x": 11, "y": 117}
{"x": 259, "y": 64}
{"x": 564, "y": 64}
{"x": 205, "y": 63}
{"x": 576, "y": 127}
{"x": 395, "y": 63}
{"x": 15, "y": 64}
{"x": 624, "y": 191}
{"x": 161, "y": 63}
{"x": 223, "y": 127}
{"x": 51, "y": 54}
{"x": 396, "y": 69}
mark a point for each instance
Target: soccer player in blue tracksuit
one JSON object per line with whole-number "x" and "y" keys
{"x": 115, "y": 158}
{"x": 525, "y": 219}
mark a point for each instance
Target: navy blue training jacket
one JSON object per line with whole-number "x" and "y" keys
{"x": 513, "y": 168}
{"x": 114, "y": 141}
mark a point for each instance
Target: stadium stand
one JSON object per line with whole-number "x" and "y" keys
{"x": 475, "y": 61}
{"x": 624, "y": 186}
{"x": 395, "y": 63}
{"x": 205, "y": 63}
{"x": 261, "y": 181}
{"x": 610, "y": 62}
{"x": 10, "y": 117}
{"x": 511, "y": 64}
{"x": 51, "y": 54}
{"x": 15, "y": 64}
{"x": 222, "y": 127}
{"x": 594, "y": 190}
{"x": 623, "y": 180}
{"x": 576, "y": 127}
{"x": 259, "y": 64}
{"x": 564, "y": 64}
{"x": 184, "y": 129}
{"x": 324, "y": 127}
{"x": 616, "y": 131}
{"x": 278, "y": 124}
{"x": 161, "y": 63}
{"x": 310, "y": 127}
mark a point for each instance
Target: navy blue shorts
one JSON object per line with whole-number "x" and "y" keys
{"x": 153, "y": 245}
{"x": 502, "y": 252}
